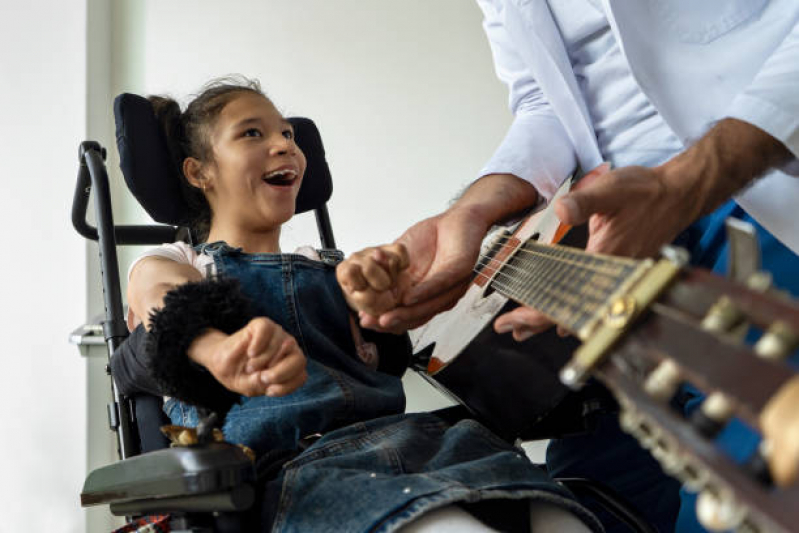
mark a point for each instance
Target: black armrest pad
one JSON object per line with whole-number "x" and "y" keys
{"x": 169, "y": 473}
{"x": 130, "y": 366}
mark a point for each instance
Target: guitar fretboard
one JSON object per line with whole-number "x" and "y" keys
{"x": 568, "y": 285}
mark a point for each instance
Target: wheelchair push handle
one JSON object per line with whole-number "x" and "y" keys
{"x": 123, "y": 234}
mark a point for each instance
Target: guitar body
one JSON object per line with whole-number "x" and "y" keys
{"x": 509, "y": 385}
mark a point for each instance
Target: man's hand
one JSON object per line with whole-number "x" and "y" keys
{"x": 631, "y": 211}
{"x": 373, "y": 279}
{"x": 259, "y": 359}
{"x": 634, "y": 211}
{"x": 442, "y": 250}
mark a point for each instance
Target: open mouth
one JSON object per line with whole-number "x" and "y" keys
{"x": 281, "y": 178}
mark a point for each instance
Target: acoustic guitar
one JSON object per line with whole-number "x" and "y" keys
{"x": 642, "y": 328}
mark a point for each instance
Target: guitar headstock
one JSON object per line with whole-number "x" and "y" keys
{"x": 694, "y": 333}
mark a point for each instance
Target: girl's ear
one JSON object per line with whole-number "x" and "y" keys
{"x": 192, "y": 169}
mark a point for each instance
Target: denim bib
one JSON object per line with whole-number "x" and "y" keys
{"x": 304, "y": 298}
{"x": 375, "y": 469}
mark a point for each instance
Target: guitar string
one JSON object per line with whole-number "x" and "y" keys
{"x": 560, "y": 281}
{"x": 539, "y": 286}
{"x": 561, "y": 298}
{"x": 613, "y": 272}
{"x": 608, "y": 257}
{"x": 536, "y": 249}
{"x": 543, "y": 293}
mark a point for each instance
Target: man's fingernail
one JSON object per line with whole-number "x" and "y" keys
{"x": 504, "y": 328}
{"x": 571, "y": 207}
{"x": 264, "y": 378}
{"x": 524, "y": 335}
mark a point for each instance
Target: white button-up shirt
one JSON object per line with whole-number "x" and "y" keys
{"x": 696, "y": 62}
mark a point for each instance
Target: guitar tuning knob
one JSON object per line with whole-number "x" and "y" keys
{"x": 722, "y": 317}
{"x": 777, "y": 343}
{"x": 760, "y": 281}
{"x": 712, "y": 415}
{"x": 662, "y": 382}
{"x": 719, "y": 511}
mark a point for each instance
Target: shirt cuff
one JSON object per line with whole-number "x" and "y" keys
{"x": 772, "y": 119}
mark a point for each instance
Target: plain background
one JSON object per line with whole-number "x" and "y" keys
{"x": 404, "y": 95}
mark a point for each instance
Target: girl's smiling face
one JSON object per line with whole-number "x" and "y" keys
{"x": 256, "y": 169}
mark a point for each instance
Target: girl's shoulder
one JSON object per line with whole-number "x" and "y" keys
{"x": 180, "y": 252}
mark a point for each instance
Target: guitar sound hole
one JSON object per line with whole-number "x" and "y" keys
{"x": 535, "y": 236}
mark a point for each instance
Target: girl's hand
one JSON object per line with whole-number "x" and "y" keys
{"x": 259, "y": 359}
{"x": 373, "y": 280}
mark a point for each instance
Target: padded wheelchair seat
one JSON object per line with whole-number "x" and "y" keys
{"x": 213, "y": 477}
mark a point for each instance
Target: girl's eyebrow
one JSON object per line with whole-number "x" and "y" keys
{"x": 257, "y": 120}
{"x": 247, "y": 122}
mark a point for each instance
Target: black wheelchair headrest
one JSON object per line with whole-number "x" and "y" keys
{"x": 145, "y": 162}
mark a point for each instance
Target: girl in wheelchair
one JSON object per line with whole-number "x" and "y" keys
{"x": 237, "y": 326}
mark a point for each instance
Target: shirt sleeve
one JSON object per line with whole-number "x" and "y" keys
{"x": 536, "y": 147}
{"x": 771, "y": 101}
{"x": 180, "y": 252}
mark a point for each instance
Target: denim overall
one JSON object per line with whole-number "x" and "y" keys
{"x": 374, "y": 468}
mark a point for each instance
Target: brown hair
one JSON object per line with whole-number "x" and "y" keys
{"x": 188, "y": 134}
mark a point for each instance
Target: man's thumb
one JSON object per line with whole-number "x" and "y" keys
{"x": 576, "y": 207}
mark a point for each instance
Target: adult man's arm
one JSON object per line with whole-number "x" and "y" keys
{"x": 635, "y": 210}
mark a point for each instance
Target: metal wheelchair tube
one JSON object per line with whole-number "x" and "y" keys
{"x": 124, "y": 234}
{"x": 92, "y": 169}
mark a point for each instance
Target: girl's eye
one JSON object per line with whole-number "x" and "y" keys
{"x": 252, "y": 132}
{"x": 288, "y": 134}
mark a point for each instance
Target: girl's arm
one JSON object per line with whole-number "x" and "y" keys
{"x": 260, "y": 358}
{"x": 151, "y": 278}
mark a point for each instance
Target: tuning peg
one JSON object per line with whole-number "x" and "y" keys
{"x": 712, "y": 415}
{"x": 663, "y": 381}
{"x": 778, "y": 342}
{"x": 719, "y": 511}
{"x": 722, "y": 317}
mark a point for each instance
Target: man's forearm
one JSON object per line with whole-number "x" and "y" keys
{"x": 731, "y": 156}
{"x": 496, "y": 197}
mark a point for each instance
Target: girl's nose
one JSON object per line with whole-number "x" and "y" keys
{"x": 280, "y": 145}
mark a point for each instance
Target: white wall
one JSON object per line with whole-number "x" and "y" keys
{"x": 42, "y": 385}
{"x": 403, "y": 92}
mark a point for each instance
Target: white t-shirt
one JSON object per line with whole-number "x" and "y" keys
{"x": 628, "y": 128}
{"x": 180, "y": 252}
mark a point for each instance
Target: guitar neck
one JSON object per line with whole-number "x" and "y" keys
{"x": 568, "y": 285}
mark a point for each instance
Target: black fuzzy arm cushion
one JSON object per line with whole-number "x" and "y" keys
{"x": 188, "y": 311}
